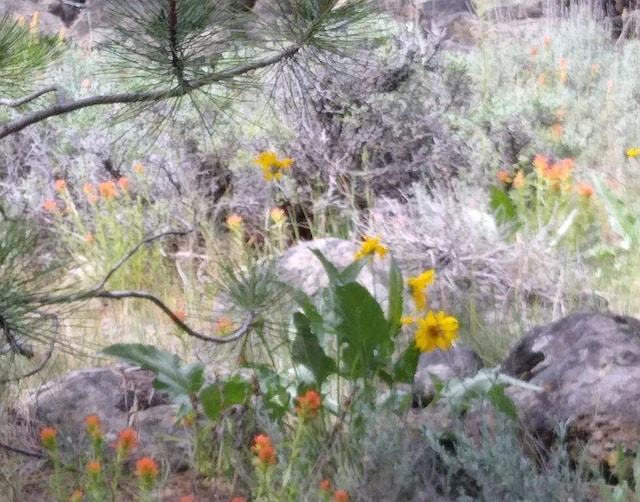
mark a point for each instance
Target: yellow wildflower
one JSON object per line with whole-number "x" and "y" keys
{"x": 407, "y": 320}
{"x": 272, "y": 167}
{"x": 417, "y": 285}
{"x": 436, "y": 331}
{"x": 277, "y": 215}
{"x": 632, "y": 153}
{"x": 371, "y": 246}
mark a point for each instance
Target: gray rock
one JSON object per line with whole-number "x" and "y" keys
{"x": 459, "y": 362}
{"x": 302, "y": 270}
{"x": 588, "y": 366}
{"x": 122, "y": 396}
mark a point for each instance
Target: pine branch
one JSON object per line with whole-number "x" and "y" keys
{"x": 176, "y": 61}
{"x": 142, "y": 97}
{"x": 98, "y": 291}
{"x": 14, "y": 103}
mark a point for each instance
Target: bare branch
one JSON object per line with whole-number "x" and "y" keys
{"x": 142, "y": 97}
{"x": 14, "y": 103}
{"x": 98, "y": 291}
{"x": 44, "y": 361}
{"x": 15, "y": 449}
{"x": 133, "y": 251}
{"x": 239, "y": 333}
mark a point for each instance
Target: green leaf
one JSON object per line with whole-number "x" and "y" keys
{"x": 396, "y": 290}
{"x": 362, "y": 330}
{"x": 306, "y": 350}
{"x": 501, "y": 401}
{"x": 352, "y": 271}
{"x": 177, "y": 380}
{"x": 503, "y": 207}
{"x": 404, "y": 370}
{"x": 620, "y": 217}
{"x": 332, "y": 271}
{"x": 310, "y": 311}
{"x": 275, "y": 396}
{"x": 217, "y": 397}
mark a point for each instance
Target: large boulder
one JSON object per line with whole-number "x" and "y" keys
{"x": 588, "y": 366}
{"x": 122, "y": 396}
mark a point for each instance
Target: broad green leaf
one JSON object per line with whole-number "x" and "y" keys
{"x": 172, "y": 377}
{"x": 404, "y": 370}
{"x": 316, "y": 321}
{"x": 362, "y": 330}
{"x": 352, "y": 271}
{"x": 503, "y": 207}
{"x": 217, "y": 397}
{"x": 332, "y": 271}
{"x": 501, "y": 401}
{"x": 306, "y": 350}
{"x": 396, "y": 290}
{"x": 275, "y": 396}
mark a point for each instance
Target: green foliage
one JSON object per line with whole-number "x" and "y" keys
{"x": 365, "y": 341}
{"x": 184, "y": 383}
{"x": 24, "y": 52}
{"x": 26, "y": 318}
{"x": 89, "y": 222}
{"x": 502, "y": 205}
{"x": 621, "y": 216}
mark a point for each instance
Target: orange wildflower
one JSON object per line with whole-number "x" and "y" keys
{"x": 325, "y": 485}
{"x": 541, "y": 163}
{"x": 123, "y": 183}
{"x": 147, "y": 469}
{"x": 518, "y": 180}
{"x": 308, "y": 405}
{"x": 534, "y": 50}
{"x": 341, "y": 496}
{"x": 224, "y": 326}
{"x": 138, "y": 168}
{"x": 86, "y": 83}
{"x": 264, "y": 450}
{"x": 234, "y": 222}
{"x": 76, "y": 496}
{"x": 562, "y": 63}
{"x": 88, "y": 239}
{"x": 127, "y": 441}
{"x": 107, "y": 189}
{"x": 180, "y": 315}
{"x": 239, "y": 499}
{"x": 541, "y": 80}
{"x": 94, "y": 468}
{"x": 189, "y": 498}
{"x": 60, "y": 185}
{"x": 504, "y": 176}
{"x": 585, "y": 190}
{"x": 87, "y": 188}
{"x": 547, "y": 42}
{"x": 50, "y": 206}
{"x": 93, "y": 426}
{"x": 595, "y": 68}
{"x": 557, "y": 172}
{"x": 556, "y": 131}
{"x": 48, "y": 438}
